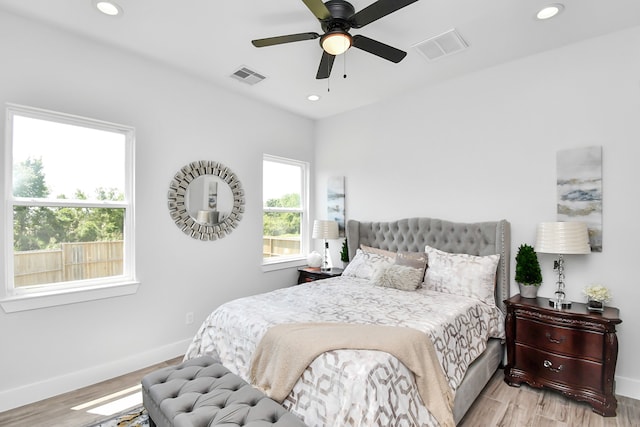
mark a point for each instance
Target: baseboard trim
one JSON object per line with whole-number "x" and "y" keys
{"x": 30, "y": 393}
{"x": 628, "y": 387}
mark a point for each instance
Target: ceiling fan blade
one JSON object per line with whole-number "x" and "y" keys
{"x": 318, "y": 8}
{"x": 379, "y": 49}
{"x": 326, "y": 63}
{"x": 378, "y": 10}
{"x": 270, "y": 41}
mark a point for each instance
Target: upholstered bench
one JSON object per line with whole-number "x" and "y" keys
{"x": 201, "y": 392}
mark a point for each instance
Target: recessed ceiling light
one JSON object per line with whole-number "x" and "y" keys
{"x": 550, "y": 11}
{"x": 108, "y": 7}
{"x": 313, "y": 97}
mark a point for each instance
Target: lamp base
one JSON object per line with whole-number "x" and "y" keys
{"x": 558, "y": 304}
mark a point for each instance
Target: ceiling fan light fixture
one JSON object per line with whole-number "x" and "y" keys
{"x": 336, "y": 42}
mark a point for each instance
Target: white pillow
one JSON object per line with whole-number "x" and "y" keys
{"x": 397, "y": 276}
{"x": 462, "y": 274}
{"x": 365, "y": 263}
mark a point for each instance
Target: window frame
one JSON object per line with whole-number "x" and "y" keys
{"x": 46, "y": 295}
{"x": 286, "y": 261}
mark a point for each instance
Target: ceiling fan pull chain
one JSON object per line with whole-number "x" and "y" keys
{"x": 344, "y": 63}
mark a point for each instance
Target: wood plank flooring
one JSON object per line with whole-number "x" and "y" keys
{"x": 502, "y": 405}
{"x": 57, "y": 412}
{"x": 498, "y": 405}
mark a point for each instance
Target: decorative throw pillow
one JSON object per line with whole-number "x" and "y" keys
{"x": 413, "y": 259}
{"x": 378, "y": 251}
{"x": 462, "y": 274}
{"x": 396, "y": 276}
{"x": 364, "y": 264}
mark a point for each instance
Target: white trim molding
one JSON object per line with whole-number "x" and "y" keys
{"x": 34, "y": 392}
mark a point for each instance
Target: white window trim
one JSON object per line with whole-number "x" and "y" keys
{"x": 283, "y": 262}
{"x": 14, "y": 300}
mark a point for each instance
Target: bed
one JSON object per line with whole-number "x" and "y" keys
{"x": 372, "y": 387}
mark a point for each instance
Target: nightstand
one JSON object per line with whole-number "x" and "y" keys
{"x": 572, "y": 351}
{"x": 309, "y": 274}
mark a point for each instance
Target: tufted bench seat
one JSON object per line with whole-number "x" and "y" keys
{"x": 201, "y": 392}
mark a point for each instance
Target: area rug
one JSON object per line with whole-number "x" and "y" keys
{"x": 136, "y": 417}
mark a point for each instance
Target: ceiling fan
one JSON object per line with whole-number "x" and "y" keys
{"x": 336, "y": 18}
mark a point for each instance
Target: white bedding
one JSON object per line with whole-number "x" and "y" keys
{"x": 354, "y": 387}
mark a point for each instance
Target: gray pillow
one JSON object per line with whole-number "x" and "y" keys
{"x": 396, "y": 276}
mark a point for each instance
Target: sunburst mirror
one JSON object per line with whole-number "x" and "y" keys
{"x": 206, "y": 200}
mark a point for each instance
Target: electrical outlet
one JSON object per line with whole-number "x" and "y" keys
{"x": 189, "y": 318}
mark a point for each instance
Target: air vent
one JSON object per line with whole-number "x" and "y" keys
{"x": 445, "y": 44}
{"x": 247, "y": 76}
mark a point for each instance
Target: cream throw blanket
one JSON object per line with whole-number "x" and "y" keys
{"x": 287, "y": 350}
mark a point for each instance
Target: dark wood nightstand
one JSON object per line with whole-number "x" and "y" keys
{"x": 309, "y": 274}
{"x": 572, "y": 350}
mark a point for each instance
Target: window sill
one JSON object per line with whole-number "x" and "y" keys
{"x": 284, "y": 264}
{"x": 67, "y": 296}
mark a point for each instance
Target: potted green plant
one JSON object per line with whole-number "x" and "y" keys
{"x": 528, "y": 274}
{"x": 344, "y": 253}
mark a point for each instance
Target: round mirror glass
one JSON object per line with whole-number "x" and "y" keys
{"x": 209, "y": 200}
{"x": 206, "y": 200}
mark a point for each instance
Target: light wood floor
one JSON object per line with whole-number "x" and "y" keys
{"x": 57, "y": 412}
{"x": 502, "y": 405}
{"x": 498, "y": 405}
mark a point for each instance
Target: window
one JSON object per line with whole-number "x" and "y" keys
{"x": 69, "y": 188}
{"x": 284, "y": 205}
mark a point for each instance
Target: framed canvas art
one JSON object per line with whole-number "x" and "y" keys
{"x": 579, "y": 183}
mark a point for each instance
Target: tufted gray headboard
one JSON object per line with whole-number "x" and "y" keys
{"x": 412, "y": 234}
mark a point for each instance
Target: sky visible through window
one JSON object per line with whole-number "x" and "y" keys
{"x": 73, "y": 157}
{"x": 280, "y": 179}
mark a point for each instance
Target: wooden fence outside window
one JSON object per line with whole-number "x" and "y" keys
{"x": 73, "y": 261}
{"x": 278, "y": 246}
{"x": 92, "y": 260}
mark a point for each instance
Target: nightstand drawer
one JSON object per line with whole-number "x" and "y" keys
{"x": 570, "y": 342}
{"x": 554, "y": 367}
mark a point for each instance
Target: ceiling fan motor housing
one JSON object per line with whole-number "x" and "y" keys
{"x": 341, "y": 14}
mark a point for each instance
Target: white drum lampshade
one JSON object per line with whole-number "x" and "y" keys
{"x": 562, "y": 238}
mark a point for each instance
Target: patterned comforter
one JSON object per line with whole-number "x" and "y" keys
{"x": 353, "y": 387}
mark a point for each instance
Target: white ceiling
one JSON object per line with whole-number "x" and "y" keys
{"x": 211, "y": 39}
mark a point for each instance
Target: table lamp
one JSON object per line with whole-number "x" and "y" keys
{"x": 323, "y": 229}
{"x": 562, "y": 238}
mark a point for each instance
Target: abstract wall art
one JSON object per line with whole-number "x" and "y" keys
{"x": 579, "y": 182}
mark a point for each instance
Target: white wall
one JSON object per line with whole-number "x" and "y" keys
{"x": 178, "y": 119}
{"x": 483, "y": 147}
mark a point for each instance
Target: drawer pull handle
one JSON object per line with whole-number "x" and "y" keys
{"x": 547, "y": 364}
{"x": 553, "y": 340}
